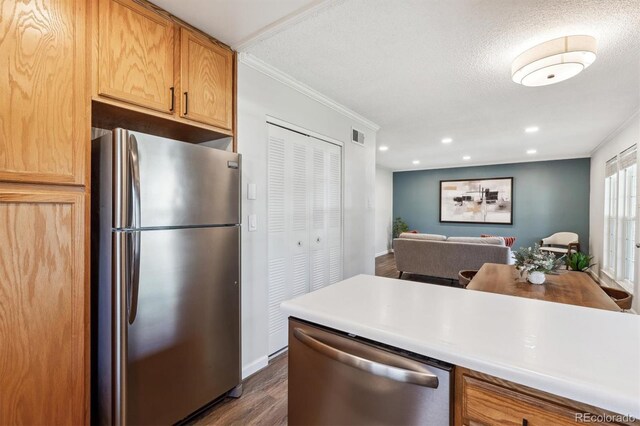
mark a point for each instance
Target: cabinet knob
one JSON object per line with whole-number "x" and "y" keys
{"x": 299, "y": 243}
{"x": 172, "y": 90}
{"x": 318, "y": 240}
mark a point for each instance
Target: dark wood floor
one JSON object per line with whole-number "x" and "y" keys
{"x": 264, "y": 401}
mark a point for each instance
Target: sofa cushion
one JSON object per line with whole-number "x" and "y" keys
{"x": 508, "y": 241}
{"x": 430, "y": 237}
{"x": 494, "y": 241}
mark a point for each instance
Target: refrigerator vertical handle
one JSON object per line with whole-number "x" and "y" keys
{"x": 135, "y": 181}
{"x": 134, "y": 276}
{"x": 119, "y": 330}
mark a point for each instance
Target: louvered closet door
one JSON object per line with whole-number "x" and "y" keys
{"x": 288, "y": 226}
{"x": 334, "y": 213}
{"x": 304, "y": 221}
{"x": 326, "y": 221}
{"x": 319, "y": 253}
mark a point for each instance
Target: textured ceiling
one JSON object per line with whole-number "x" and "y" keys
{"x": 425, "y": 70}
{"x": 234, "y": 21}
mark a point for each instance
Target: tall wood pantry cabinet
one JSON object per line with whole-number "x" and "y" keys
{"x": 68, "y": 64}
{"x": 44, "y": 131}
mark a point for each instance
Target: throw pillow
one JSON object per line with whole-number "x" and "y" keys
{"x": 508, "y": 241}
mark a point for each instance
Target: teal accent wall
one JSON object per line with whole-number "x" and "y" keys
{"x": 548, "y": 197}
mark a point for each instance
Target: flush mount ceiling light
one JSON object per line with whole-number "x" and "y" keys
{"x": 416, "y": 162}
{"x": 447, "y": 140}
{"x": 531, "y": 151}
{"x": 383, "y": 148}
{"x": 466, "y": 158}
{"x": 532, "y": 129}
{"x": 554, "y": 61}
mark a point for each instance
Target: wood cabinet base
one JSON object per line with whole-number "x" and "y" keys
{"x": 109, "y": 115}
{"x": 481, "y": 399}
{"x": 43, "y": 307}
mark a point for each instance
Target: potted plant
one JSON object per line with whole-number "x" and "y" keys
{"x": 579, "y": 261}
{"x": 399, "y": 226}
{"x": 535, "y": 263}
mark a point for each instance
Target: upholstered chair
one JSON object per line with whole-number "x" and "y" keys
{"x": 561, "y": 243}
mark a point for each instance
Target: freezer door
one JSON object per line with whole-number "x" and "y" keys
{"x": 183, "y": 322}
{"x": 161, "y": 183}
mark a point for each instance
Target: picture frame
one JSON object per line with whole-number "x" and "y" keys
{"x": 483, "y": 201}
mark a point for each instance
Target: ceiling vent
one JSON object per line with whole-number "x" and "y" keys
{"x": 357, "y": 136}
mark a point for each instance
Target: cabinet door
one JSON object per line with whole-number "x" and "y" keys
{"x": 42, "y": 307}
{"x": 135, "y": 55}
{"x": 206, "y": 77}
{"x": 487, "y": 404}
{"x": 44, "y": 122}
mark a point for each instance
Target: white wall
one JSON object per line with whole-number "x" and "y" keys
{"x": 627, "y": 135}
{"x": 384, "y": 209}
{"x": 260, "y": 95}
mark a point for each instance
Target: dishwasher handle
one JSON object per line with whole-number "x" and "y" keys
{"x": 376, "y": 368}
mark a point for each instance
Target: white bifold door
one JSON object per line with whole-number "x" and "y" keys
{"x": 304, "y": 181}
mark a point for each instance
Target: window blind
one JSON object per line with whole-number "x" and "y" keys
{"x": 611, "y": 167}
{"x": 627, "y": 158}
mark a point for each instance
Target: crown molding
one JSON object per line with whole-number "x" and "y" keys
{"x": 615, "y": 132}
{"x": 499, "y": 163}
{"x": 259, "y": 65}
{"x": 283, "y": 24}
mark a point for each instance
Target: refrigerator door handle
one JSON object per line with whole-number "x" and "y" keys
{"x": 135, "y": 181}
{"x": 134, "y": 276}
{"x": 391, "y": 372}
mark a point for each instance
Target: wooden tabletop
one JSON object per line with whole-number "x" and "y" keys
{"x": 573, "y": 288}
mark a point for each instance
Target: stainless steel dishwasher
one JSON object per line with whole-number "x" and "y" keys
{"x": 339, "y": 379}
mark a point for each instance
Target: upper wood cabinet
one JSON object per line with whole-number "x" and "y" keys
{"x": 44, "y": 120}
{"x": 206, "y": 77}
{"x": 136, "y": 55}
{"x": 43, "y": 322}
{"x": 154, "y": 73}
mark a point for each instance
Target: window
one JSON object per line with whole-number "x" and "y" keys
{"x": 620, "y": 217}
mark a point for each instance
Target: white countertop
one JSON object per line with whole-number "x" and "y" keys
{"x": 588, "y": 355}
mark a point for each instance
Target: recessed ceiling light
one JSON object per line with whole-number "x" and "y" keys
{"x": 531, "y": 151}
{"x": 447, "y": 140}
{"x": 554, "y": 61}
{"x": 384, "y": 148}
{"x": 416, "y": 161}
{"x": 466, "y": 157}
{"x": 532, "y": 129}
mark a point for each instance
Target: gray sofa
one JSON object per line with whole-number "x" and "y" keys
{"x": 439, "y": 256}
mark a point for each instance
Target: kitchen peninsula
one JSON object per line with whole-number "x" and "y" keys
{"x": 529, "y": 354}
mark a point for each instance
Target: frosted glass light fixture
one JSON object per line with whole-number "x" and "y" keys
{"x": 554, "y": 61}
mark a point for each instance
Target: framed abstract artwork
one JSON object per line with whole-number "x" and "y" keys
{"x": 487, "y": 201}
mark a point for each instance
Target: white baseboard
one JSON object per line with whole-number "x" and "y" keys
{"x": 382, "y": 253}
{"x": 255, "y": 366}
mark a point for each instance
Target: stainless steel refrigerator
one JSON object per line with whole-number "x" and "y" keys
{"x": 166, "y": 277}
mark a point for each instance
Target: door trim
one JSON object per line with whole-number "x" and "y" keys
{"x": 290, "y": 126}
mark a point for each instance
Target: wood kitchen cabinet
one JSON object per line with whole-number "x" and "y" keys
{"x": 206, "y": 78}
{"x": 155, "y": 73}
{"x": 44, "y": 112}
{"x": 481, "y": 399}
{"x": 136, "y": 55}
{"x": 43, "y": 321}
{"x": 44, "y": 156}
